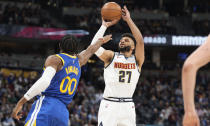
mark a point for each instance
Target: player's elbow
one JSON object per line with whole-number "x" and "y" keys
{"x": 44, "y": 84}
{"x": 47, "y": 81}
{"x": 83, "y": 62}
{"x": 188, "y": 67}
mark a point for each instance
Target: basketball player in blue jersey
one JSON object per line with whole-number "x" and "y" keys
{"x": 57, "y": 85}
{"x": 195, "y": 61}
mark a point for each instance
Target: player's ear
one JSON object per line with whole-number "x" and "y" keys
{"x": 59, "y": 45}
{"x": 60, "y": 48}
{"x": 132, "y": 45}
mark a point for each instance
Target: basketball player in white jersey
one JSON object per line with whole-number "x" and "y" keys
{"x": 196, "y": 60}
{"x": 121, "y": 74}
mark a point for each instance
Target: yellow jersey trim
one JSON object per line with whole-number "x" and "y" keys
{"x": 34, "y": 123}
{"x": 60, "y": 58}
{"x": 69, "y": 55}
{"x": 26, "y": 123}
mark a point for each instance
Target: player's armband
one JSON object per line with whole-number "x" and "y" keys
{"x": 99, "y": 34}
{"x": 41, "y": 84}
{"x": 100, "y": 51}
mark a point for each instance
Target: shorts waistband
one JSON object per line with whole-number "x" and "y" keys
{"x": 53, "y": 97}
{"x": 118, "y": 99}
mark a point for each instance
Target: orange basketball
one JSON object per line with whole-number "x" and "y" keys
{"x": 111, "y": 11}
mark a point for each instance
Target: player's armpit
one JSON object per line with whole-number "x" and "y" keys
{"x": 107, "y": 57}
{"x": 54, "y": 62}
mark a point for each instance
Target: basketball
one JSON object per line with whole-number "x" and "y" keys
{"x": 111, "y": 11}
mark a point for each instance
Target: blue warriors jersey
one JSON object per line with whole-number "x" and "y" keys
{"x": 50, "y": 109}
{"x": 64, "y": 84}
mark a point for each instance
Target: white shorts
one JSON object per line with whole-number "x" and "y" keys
{"x": 116, "y": 114}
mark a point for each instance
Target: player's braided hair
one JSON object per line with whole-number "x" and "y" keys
{"x": 69, "y": 44}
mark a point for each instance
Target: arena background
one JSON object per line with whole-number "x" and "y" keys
{"x": 31, "y": 29}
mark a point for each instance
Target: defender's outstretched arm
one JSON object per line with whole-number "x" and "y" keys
{"x": 103, "y": 54}
{"x": 86, "y": 54}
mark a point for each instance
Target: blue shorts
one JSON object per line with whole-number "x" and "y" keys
{"x": 48, "y": 111}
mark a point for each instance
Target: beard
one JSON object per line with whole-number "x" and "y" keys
{"x": 125, "y": 49}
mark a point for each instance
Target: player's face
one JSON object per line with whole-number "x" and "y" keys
{"x": 126, "y": 44}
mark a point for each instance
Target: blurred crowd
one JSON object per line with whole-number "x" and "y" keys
{"x": 36, "y": 15}
{"x": 12, "y": 88}
{"x": 167, "y": 5}
{"x": 177, "y": 7}
{"x": 16, "y": 14}
{"x": 9, "y": 60}
{"x": 92, "y": 23}
{"x": 201, "y": 27}
{"x": 158, "y": 98}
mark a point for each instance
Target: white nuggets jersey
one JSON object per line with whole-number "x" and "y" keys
{"x": 121, "y": 76}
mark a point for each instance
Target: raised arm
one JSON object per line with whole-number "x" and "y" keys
{"x": 86, "y": 54}
{"x": 104, "y": 55}
{"x": 52, "y": 64}
{"x": 139, "y": 51}
{"x": 196, "y": 60}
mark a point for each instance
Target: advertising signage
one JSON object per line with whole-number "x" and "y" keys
{"x": 57, "y": 33}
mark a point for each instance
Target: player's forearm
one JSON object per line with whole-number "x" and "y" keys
{"x": 41, "y": 84}
{"x": 188, "y": 86}
{"x": 139, "y": 51}
{"x": 85, "y": 55}
{"x": 94, "y": 47}
{"x": 22, "y": 101}
{"x": 99, "y": 34}
{"x": 135, "y": 31}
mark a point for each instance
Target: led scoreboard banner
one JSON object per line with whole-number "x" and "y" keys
{"x": 174, "y": 40}
{"x": 18, "y": 31}
{"x": 188, "y": 40}
{"x": 156, "y": 39}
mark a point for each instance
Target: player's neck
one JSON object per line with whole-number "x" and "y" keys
{"x": 126, "y": 54}
{"x": 68, "y": 53}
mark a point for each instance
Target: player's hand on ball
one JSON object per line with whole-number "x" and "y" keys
{"x": 125, "y": 14}
{"x": 191, "y": 119}
{"x": 109, "y": 23}
{"x": 106, "y": 38}
{"x": 15, "y": 112}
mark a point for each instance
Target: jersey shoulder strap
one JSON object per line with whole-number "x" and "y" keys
{"x": 111, "y": 60}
